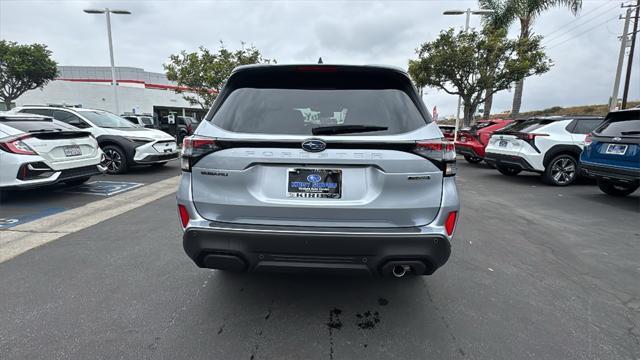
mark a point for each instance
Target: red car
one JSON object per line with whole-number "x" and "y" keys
{"x": 472, "y": 141}
{"x": 448, "y": 131}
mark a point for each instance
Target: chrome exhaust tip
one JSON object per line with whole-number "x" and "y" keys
{"x": 399, "y": 270}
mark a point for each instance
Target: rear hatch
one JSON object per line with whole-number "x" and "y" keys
{"x": 362, "y": 166}
{"x": 617, "y": 141}
{"x": 56, "y": 143}
{"x": 520, "y": 135}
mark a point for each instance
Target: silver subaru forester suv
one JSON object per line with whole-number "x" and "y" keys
{"x": 318, "y": 168}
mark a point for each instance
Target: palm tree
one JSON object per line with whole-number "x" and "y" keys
{"x": 498, "y": 19}
{"x": 526, "y": 12}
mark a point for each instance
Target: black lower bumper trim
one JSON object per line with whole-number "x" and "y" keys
{"x": 150, "y": 159}
{"x": 357, "y": 251}
{"x": 513, "y": 161}
{"x": 464, "y": 150}
{"x": 610, "y": 173}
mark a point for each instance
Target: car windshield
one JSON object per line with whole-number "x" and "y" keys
{"x": 146, "y": 120}
{"x": 297, "y": 112}
{"x": 106, "y": 119}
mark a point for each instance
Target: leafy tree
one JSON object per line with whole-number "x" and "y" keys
{"x": 526, "y": 12}
{"x": 467, "y": 64}
{"x": 201, "y": 74}
{"x": 23, "y": 68}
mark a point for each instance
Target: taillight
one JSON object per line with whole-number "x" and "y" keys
{"x": 528, "y": 136}
{"x": 194, "y": 148}
{"x": 450, "y": 223}
{"x": 184, "y": 215}
{"x": 588, "y": 140}
{"x": 15, "y": 145}
{"x": 440, "y": 152}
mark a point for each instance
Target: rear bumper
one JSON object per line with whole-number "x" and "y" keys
{"x": 600, "y": 171}
{"x": 464, "y": 149}
{"x": 57, "y": 177}
{"x": 307, "y": 249}
{"x": 513, "y": 161}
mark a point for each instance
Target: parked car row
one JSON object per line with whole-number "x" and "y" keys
{"x": 561, "y": 148}
{"x": 124, "y": 144}
{"x": 41, "y": 145}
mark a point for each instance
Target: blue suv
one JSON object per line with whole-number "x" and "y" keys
{"x": 612, "y": 153}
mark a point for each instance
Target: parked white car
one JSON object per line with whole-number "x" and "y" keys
{"x": 37, "y": 151}
{"x": 550, "y": 146}
{"x": 123, "y": 143}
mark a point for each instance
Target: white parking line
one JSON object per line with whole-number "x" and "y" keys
{"x": 22, "y": 238}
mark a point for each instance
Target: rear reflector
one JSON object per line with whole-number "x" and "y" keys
{"x": 450, "y": 224}
{"x": 184, "y": 215}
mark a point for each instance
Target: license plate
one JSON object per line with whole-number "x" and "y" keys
{"x": 502, "y": 143}
{"x": 616, "y": 149}
{"x": 72, "y": 150}
{"x": 314, "y": 183}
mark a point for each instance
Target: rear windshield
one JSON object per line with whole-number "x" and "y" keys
{"x": 297, "y": 111}
{"x": 477, "y": 126}
{"x": 526, "y": 126}
{"x": 620, "y": 127}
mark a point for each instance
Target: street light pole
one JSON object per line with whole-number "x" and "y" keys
{"x": 623, "y": 44}
{"x": 114, "y": 82}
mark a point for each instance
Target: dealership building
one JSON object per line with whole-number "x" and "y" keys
{"x": 139, "y": 92}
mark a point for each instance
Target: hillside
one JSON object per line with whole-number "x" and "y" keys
{"x": 572, "y": 110}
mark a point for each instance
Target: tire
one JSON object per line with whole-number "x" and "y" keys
{"x": 472, "y": 159}
{"x": 79, "y": 181}
{"x": 562, "y": 170}
{"x": 508, "y": 171}
{"x": 115, "y": 159}
{"x": 181, "y": 137}
{"x": 157, "y": 165}
{"x": 616, "y": 189}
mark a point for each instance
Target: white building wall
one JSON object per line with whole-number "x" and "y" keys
{"x": 99, "y": 96}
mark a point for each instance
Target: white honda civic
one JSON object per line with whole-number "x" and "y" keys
{"x": 37, "y": 151}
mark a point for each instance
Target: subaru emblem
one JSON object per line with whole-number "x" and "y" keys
{"x": 314, "y": 145}
{"x": 616, "y": 138}
{"x": 314, "y": 178}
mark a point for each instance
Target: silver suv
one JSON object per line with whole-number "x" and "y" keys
{"x": 318, "y": 167}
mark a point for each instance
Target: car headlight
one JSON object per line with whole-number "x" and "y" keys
{"x": 138, "y": 141}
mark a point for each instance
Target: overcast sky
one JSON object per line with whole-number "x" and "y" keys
{"x": 584, "y": 48}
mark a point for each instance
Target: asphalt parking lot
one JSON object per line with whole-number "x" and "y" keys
{"x": 536, "y": 272}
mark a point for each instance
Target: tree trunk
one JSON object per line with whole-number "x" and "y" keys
{"x": 517, "y": 98}
{"x": 525, "y": 32}
{"x": 488, "y": 103}
{"x": 7, "y": 104}
{"x": 469, "y": 110}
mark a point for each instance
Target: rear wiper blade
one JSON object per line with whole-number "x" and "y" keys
{"x": 345, "y": 129}
{"x": 634, "y": 132}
